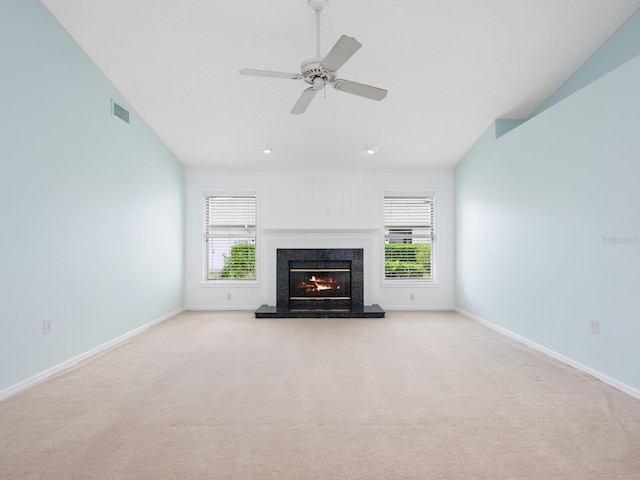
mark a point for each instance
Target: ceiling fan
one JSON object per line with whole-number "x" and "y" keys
{"x": 319, "y": 71}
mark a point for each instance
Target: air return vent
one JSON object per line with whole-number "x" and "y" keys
{"x": 119, "y": 112}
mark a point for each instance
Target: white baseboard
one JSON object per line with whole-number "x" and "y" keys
{"x": 415, "y": 308}
{"x": 385, "y": 308}
{"x": 601, "y": 376}
{"x": 237, "y": 308}
{"x": 42, "y": 376}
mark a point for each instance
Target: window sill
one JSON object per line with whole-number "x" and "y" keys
{"x": 230, "y": 283}
{"x": 404, "y": 283}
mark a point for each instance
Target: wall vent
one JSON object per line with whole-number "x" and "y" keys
{"x": 120, "y": 112}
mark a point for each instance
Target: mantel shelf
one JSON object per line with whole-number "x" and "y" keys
{"x": 322, "y": 231}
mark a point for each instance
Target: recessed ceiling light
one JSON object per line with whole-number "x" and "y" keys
{"x": 266, "y": 150}
{"x": 370, "y": 150}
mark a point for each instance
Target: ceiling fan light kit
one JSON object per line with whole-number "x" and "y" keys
{"x": 320, "y": 71}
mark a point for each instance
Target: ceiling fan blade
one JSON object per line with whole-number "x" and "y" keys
{"x": 342, "y": 51}
{"x": 304, "y": 101}
{"x": 269, "y": 73}
{"x": 374, "y": 93}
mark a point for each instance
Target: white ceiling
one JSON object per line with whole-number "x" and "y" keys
{"x": 451, "y": 68}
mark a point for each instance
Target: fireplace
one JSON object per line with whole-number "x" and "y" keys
{"x": 313, "y": 284}
{"x": 319, "y": 278}
{"x": 320, "y": 283}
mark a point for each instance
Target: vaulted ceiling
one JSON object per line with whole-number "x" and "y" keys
{"x": 451, "y": 67}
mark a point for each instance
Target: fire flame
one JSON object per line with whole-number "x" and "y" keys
{"x": 319, "y": 284}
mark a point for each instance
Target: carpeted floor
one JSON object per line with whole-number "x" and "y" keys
{"x": 418, "y": 395}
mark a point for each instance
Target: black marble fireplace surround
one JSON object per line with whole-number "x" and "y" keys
{"x": 351, "y": 304}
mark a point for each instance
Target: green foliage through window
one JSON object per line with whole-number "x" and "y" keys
{"x": 239, "y": 264}
{"x": 407, "y": 260}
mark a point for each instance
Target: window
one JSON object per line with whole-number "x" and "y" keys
{"x": 409, "y": 237}
{"x": 230, "y": 237}
{"x": 400, "y": 235}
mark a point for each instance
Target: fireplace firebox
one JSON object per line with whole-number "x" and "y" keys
{"x": 319, "y": 283}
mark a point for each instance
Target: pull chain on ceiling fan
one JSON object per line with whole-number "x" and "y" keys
{"x": 319, "y": 71}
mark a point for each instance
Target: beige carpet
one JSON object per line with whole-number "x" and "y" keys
{"x": 418, "y": 395}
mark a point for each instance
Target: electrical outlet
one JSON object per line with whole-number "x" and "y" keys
{"x": 594, "y": 326}
{"x": 412, "y": 297}
{"x": 47, "y": 325}
{"x": 228, "y": 296}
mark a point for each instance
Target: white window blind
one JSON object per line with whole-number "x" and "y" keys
{"x": 409, "y": 236}
{"x": 230, "y": 237}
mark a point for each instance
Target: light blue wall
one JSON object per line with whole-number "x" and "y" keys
{"x": 619, "y": 48}
{"x": 91, "y": 209}
{"x": 548, "y": 229}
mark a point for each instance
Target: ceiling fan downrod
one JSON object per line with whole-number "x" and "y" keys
{"x": 318, "y": 7}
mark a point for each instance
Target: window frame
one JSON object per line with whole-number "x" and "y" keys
{"x": 205, "y": 280}
{"x": 403, "y": 281}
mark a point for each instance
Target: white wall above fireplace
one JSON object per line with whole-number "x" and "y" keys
{"x": 318, "y": 209}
